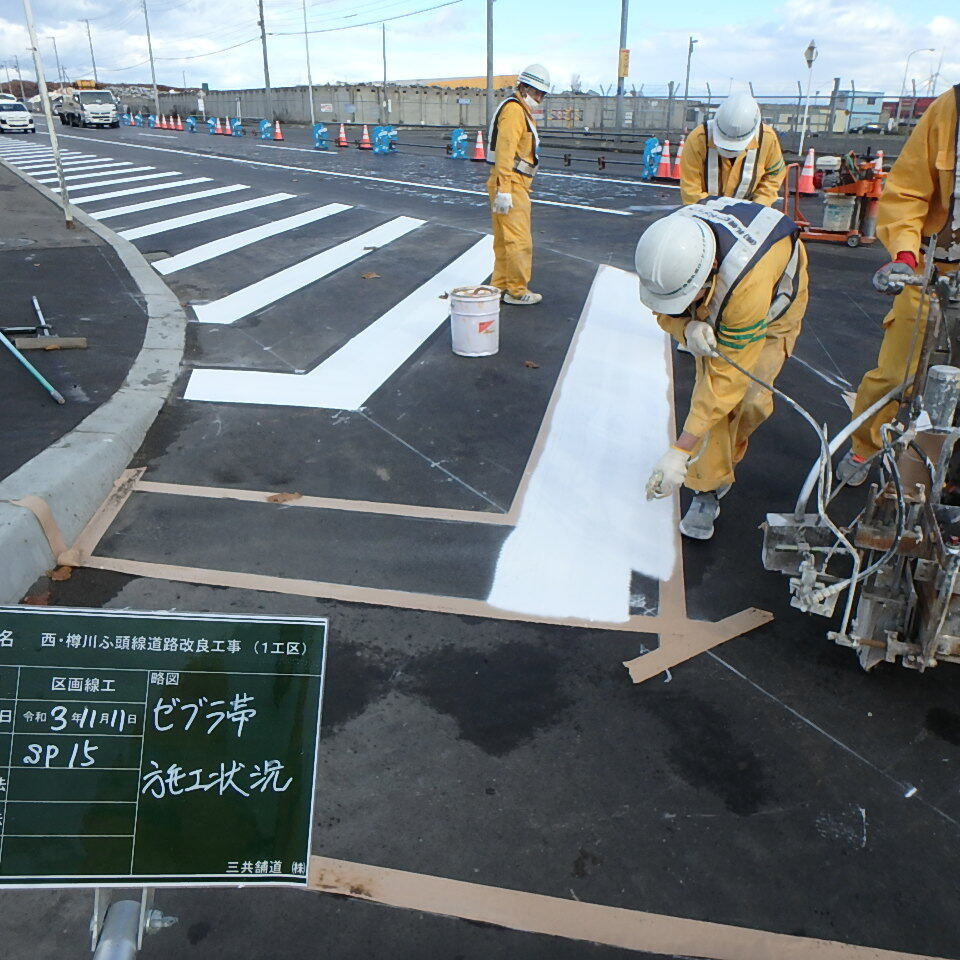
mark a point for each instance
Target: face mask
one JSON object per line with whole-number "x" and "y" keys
{"x": 530, "y": 102}
{"x": 729, "y": 154}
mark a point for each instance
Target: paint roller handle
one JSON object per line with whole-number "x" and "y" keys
{"x": 34, "y": 372}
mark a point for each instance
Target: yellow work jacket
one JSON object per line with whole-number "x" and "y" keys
{"x": 741, "y": 332}
{"x": 923, "y": 189}
{"x": 755, "y": 175}
{"x": 513, "y": 146}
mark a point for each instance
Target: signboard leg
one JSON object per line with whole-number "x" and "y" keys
{"x": 117, "y": 928}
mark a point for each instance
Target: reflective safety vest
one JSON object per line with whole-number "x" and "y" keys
{"x": 519, "y": 164}
{"x": 745, "y": 232}
{"x": 749, "y": 173}
{"x": 948, "y": 240}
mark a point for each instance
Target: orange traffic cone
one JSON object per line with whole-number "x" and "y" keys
{"x": 218, "y": 128}
{"x": 478, "y": 153}
{"x": 342, "y": 139}
{"x": 805, "y": 185}
{"x": 878, "y": 165}
{"x": 180, "y": 123}
{"x": 163, "y": 122}
{"x": 365, "y": 143}
{"x": 277, "y": 132}
{"x": 676, "y": 166}
{"x": 664, "y": 170}
{"x": 226, "y": 127}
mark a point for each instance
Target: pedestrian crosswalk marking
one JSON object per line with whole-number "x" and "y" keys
{"x": 214, "y": 213}
{"x": 236, "y": 241}
{"x": 166, "y": 201}
{"x": 153, "y": 187}
{"x": 265, "y": 292}
{"x": 86, "y": 171}
{"x": 75, "y": 178}
{"x": 97, "y": 184}
{"x": 81, "y": 160}
{"x": 349, "y": 377}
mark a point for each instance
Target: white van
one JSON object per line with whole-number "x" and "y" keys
{"x": 15, "y": 118}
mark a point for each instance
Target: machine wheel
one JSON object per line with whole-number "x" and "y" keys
{"x": 853, "y": 240}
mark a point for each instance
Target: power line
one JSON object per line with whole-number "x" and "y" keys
{"x": 372, "y": 23}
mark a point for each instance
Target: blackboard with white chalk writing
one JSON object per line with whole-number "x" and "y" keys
{"x": 157, "y": 748}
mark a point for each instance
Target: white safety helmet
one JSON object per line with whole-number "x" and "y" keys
{"x": 736, "y": 123}
{"x": 674, "y": 258}
{"x": 536, "y": 76}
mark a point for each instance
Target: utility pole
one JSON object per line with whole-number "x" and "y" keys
{"x": 56, "y": 53}
{"x": 93, "y": 59}
{"x": 153, "y": 69}
{"x": 903, "y": 86}
{"x": 810, "y": 54}
{"x": 267, "y": 95}
{"x": 623, "y": 61}
{"x": 489, "y": 62}
{"x": 383, "y": 106}
{"x": 16, "y": 61}
{"x": 306, "y": 43}
{"x": 686, "y": 86}
{"x": 48, "y": 113}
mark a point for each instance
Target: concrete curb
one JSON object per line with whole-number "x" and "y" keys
{"x": 75, "y": 474}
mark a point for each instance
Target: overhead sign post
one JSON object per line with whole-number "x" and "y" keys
{"x": 157, "y": 749}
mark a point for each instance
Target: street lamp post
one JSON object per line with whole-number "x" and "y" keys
{"x": 686, "y": 85}
{"x": 810, "y": 54}
{"x": 903, "y": 86}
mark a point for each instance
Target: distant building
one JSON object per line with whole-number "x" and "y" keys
{"x": 911, "y": 108}
{"x": 862, "y": 106}
{"x": 504, "y": 82}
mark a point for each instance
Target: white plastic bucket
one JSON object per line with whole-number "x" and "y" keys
{"x": 475, "y": 321}
{"x": 838, "y": 211}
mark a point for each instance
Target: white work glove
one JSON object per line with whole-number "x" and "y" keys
{"x": 700, "y": 338}
{"x": 889, "y": 278}
{"x": 668, "y": 473}
{"x": 503, "y": 203}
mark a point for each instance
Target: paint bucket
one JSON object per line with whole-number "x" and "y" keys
{"x": 475, "y": 321}
{"x": 838, "y": 211}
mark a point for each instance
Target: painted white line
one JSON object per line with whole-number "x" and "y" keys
{"x": 264, "y": 292}
{"x": 158, "y": 136}
{"x": 629, "y": 183}
{"x": 358, "y": 176}
{"x": 332, "y": 153}
{"x": 80, "y": 160}
{"x": 166, "y": 201}
{"x": 584, "y": 524}
{"x": 25, "y": 157}
{"x": 349, "y": 377}
{"x": 214, "y": 213}
{"x": 47, "y": 169}
{"x": 74, "y": 187}
{"x": 156, "y": 186}
{"x": 92, "y": 175}
{"x": 236, "y": 241}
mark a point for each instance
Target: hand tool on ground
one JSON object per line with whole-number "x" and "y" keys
{"x": 34, "y": 372}
{"x": 40, "y": 336}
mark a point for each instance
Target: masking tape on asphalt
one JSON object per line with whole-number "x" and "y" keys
{"x": 576, "y": 920}
{"x": 41, "y": 510}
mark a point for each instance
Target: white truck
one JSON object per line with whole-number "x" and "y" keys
{"x": 89, "y": 108}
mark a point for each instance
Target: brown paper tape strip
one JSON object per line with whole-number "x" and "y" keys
{"x": 575, "y": 920}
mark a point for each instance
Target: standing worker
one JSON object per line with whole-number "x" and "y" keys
{"x": 921, "y": 198}
{"x": 733, "y": 155}
{"x": 730, "y": 275}
{"x": 513, "y": 147}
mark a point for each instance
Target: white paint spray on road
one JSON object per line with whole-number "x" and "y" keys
{"x": 214, "y": 213}
{"x": 237, "y": 241}
{"x": 348, "y": 378}
{"x": 112, "y": 194}
{"x": 584, "y": 524}
{"x": 265, "y": 292}
{"x": 86, "y": 173}
{"x": 167, "y": 201}
{"x": 98, "y": 184}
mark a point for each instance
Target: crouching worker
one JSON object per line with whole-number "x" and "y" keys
{"x": 727, "y": 275}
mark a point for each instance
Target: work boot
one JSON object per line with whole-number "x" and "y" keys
{"x": 853, "y": 470}
{"x": 524, "y": 300}
{"x": 697, "y": 522}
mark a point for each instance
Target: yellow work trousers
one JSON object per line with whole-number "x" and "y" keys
{"x": 512, "y": 239}
{"x": 726, "y": 444}
{"x": 891, "y": 369}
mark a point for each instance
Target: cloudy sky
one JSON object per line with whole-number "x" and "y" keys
{"x": 861, "y": 41}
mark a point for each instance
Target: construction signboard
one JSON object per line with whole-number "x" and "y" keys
{"x": 157, "y": 748}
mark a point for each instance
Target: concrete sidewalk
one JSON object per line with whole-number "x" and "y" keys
{"x": 89, "y": 283}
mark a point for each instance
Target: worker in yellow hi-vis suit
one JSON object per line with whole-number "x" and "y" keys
{"x": 921, "y": 198}
{"x": 731, "y": 275}
{"x": 733, "y": 155}
{"x": 513, "y": 147}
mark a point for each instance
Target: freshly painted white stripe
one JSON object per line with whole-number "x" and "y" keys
{"x": 48, "y": 169}
{"x": 214, "y": 213}
{"x": 48, "y": 157}
{"x": 584, "y": 524}
{"x": 166, "y": 201}
{"x": 361, "y": 176}
{"x": 74, "y": 187}
{"x": 80, "y": 160}
{"x": 216, "y": 248}
{"x": 93, "y": 175}
{"x": 156, "y": 186}
{"x": 348, "y": 378}
{"x": 261, "y": 294}
{"x": 265, "y": 143}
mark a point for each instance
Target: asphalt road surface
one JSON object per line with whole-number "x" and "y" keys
{"x": 478, "y": 722}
